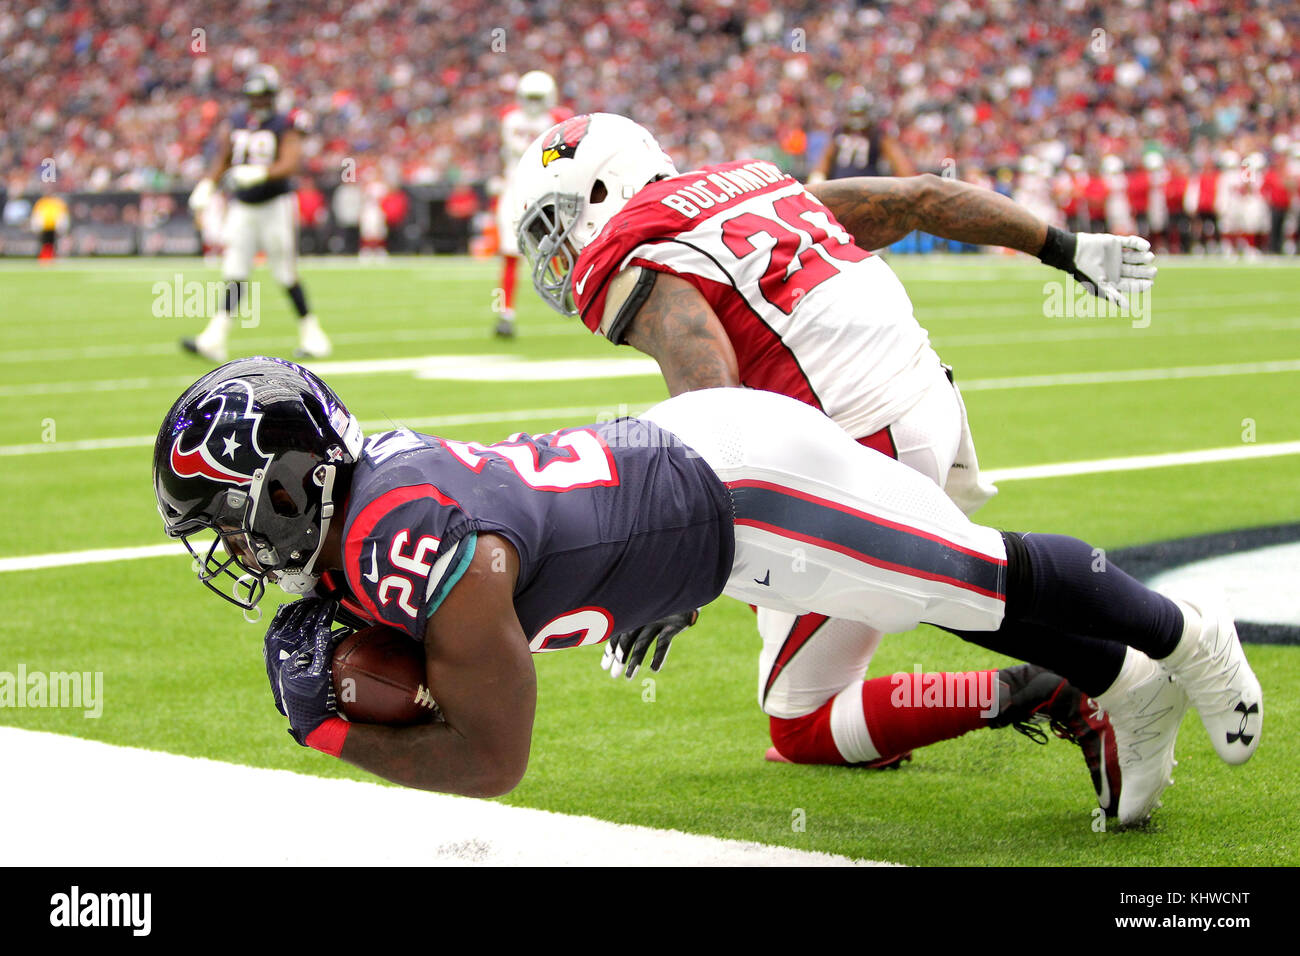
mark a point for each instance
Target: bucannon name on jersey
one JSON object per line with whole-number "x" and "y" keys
{"x": 616, "y": 525}
{"x": 810, "y": 314}
{"x": 258, "y": 144}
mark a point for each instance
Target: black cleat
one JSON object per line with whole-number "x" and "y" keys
{"x": 1035, "y": 696}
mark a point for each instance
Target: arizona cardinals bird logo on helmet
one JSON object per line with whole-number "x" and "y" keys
{"x": 563, "y": 140}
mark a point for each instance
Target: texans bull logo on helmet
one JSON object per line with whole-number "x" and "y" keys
{"x": 228, "y": 451}
{"x": 562, "y": 140}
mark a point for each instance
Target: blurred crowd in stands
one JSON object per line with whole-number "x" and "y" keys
{"x": 1180, "y": 116}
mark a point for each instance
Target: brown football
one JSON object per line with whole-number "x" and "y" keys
{"x": 379, "y": 678}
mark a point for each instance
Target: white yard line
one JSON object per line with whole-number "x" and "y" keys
{"x": 140, "y": 350}
{"x": 1143, "y": 462}
{"x": 506, "y": 368}
{"x": 1113, "y": 376}
{"x": 35, "y": 562}
{"x": 467, "y": 333}
{"x": 485, "y": 368}
{"x": 62, "y": 559}
{"x": 61, "y": 826}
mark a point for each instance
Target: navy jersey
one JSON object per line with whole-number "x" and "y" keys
{"x": 259, "y": 144}
{"x": 856, "y": 152}
{"x": 616, "y": 525}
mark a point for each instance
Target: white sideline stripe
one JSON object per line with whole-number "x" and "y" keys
{"x": 61, "y": 827}
{"x": 1143, "y": 462}
{"x": 34, "y": 562}
{"x": 434, "y": 421}
{"x": 506, "y": 368}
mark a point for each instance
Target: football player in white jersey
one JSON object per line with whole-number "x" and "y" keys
{"x": 259, "y": 158}
{"x": 533, "y": 112}
{"x": 737, "y": 275}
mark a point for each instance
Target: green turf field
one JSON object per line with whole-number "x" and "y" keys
{"x": 83, "y": 358}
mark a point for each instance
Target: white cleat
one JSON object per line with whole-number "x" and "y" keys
{"x": 313, "y": 343}
{"x": 1211, "y": 665}
{"x": 1145, "y": 717}
{"x": 211, "y": 342}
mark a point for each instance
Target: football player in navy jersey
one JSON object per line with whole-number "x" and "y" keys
{"x": 261, "y": 154}
{"x": 862, "y": 146}
{"x": 487, "y": 553}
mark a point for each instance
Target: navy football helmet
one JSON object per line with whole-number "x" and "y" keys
{"x": 251, "y": 452}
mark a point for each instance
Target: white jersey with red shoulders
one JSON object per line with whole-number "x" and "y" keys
{"x": 519, "y": 129}
{"x": 809, "y": 313}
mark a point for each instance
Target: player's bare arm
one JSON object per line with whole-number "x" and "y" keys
{"x": 879, "y": 210}
{"x": 481, "y": 672}
{"x": 680, "y": 331}
{"x": 289, "y": 157}
{"x": 221, "y": 162}
{"x": 203, "y": 190}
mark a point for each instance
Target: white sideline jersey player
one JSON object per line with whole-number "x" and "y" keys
{"x": 261, "y": 154}
{"x": 533, "y": 113}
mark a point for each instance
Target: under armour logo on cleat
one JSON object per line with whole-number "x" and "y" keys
{"x": 767, "y": 579}
{"x": 1241, "y": 734}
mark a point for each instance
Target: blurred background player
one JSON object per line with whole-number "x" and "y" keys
{"x": 259, "y": 158}
{"x": 211, "y": 220}
{"x": 859, "y": 145}
{"x": 49, "y": 221}
{"x": 373, "y": 224}
{"x": 1201, "y": 204}
{"x": 1034, "y": 190}
{"x": 1119, "y": 214}
{"x": 533, "y": 113}
{"x": 1067, "y": 190}
{"x": 1178, "y": 238}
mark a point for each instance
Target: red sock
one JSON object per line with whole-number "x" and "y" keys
{"x": 902, "y": 712}
{"x": 508, "y": 280}
{"x": 906, "y": 711}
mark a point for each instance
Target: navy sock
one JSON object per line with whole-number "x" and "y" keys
{"x": 1075, "y": 588}
{"x": 1090, "y": 665}
{"x": 1072, "y": 611}
{"x": 299, "y": 299}
{"x": 234, "y": 291}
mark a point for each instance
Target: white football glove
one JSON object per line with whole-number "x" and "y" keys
{"x": 247, "y": 175}
{"x": 1112, "y": 267}
{"x": 202, "y": 195}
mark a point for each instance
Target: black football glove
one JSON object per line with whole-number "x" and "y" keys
{"x": 625, "y": 652}
{"x": 294, "y": 628}
{"x": 307, "y": 686}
